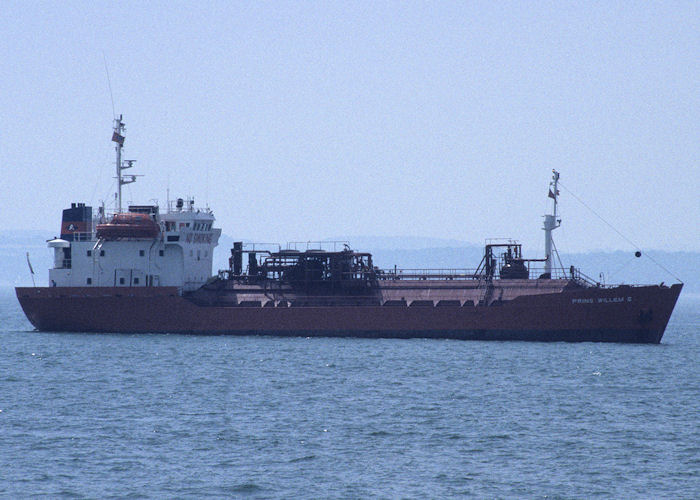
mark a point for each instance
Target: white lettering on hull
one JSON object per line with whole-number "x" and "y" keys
{"x": 602, "y": 300}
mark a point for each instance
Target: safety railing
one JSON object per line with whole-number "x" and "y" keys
{"x": 327, "y": 245}
{"x": 425, "y": 274}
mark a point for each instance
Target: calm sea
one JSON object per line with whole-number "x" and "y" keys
{"x": 144, "y": 416}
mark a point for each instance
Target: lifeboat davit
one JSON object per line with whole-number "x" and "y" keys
{"x": 128, "y": 225}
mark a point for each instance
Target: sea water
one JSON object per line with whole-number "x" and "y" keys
{"x": 176, "y": 416}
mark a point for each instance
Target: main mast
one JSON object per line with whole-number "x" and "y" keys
{"x": 118, "y": 138}
{"x": 551, "y": 223}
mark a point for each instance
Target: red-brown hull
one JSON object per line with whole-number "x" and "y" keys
{"x": 623, "y": 314}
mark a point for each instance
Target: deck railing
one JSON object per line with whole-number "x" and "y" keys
{"x": 396, "y": 274}
{"x": 472, "y": 274}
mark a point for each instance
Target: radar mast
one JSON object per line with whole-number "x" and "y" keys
{"x": 118, "y": 139}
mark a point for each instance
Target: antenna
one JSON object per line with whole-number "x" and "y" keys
{"x": 206, "y": 187}
{"x": 109, "y": 84}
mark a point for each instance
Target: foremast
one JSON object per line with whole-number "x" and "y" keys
{"x": 551, "y": 223}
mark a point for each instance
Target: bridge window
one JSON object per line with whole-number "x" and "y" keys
{"x": 89, "y": 254}
{"x": 136, "y": 281}
{"x": 142, "y": 253}
{"x": 102, "y": 253}
{"x": 121, "y": 281}
{"x": 89, "y": 280}
{"x": 161, "y": 253}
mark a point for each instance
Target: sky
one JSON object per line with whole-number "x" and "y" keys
{"x": 299, "y": 121}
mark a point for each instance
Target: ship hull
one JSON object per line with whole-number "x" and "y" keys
{"x": 621, "y": 314}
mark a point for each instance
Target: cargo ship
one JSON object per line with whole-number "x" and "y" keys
{"x": 148, "y": 269}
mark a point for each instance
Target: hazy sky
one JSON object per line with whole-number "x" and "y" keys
{"x": 307, "y": 120}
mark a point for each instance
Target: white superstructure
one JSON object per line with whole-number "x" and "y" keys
{"x": 139, "y": 247}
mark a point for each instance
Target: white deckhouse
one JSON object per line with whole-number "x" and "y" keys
{"x": 139, "y": 247}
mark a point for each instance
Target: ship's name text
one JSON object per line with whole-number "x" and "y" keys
{"x": 602, "y": 300}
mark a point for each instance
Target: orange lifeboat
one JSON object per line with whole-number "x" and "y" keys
{"x": 128, "y": 225}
